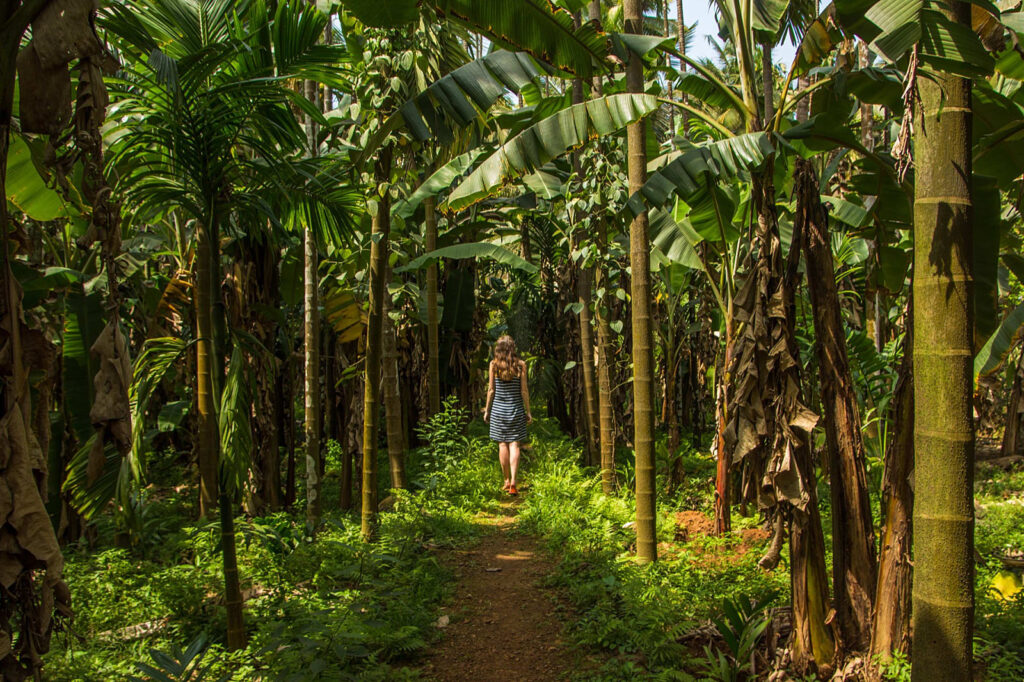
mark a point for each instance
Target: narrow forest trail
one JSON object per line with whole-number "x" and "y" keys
{"x": 502, "y": 625}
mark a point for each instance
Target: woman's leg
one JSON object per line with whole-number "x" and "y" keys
{"x": 504, "y": 459}
{"x": 513, "y": 459}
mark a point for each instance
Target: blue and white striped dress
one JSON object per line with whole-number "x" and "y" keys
{"x": 508, "y": 417}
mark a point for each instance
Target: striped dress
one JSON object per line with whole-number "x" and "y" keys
{"x": 508, "y": 417}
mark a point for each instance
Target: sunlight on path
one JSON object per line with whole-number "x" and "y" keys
{"x": 503, "y": 625}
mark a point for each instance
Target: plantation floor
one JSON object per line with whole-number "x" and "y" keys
{"x": 501, "y": 625}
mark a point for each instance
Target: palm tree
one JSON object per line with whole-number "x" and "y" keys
{"x": 207, "y": 130}
{"x": 640, "y": 288}
{"x": 943, "y": 592}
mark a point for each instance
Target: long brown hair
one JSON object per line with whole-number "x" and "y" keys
{"x": 506, "y": 361}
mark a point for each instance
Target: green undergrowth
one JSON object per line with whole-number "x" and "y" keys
{"x": 999, "y": 532}
{"x": 327, "y": 607}
{"x": 632, "y": 617}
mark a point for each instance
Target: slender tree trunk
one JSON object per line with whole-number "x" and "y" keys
{"x": 349, "y": 448}
{"x": 768, "y": 84}
{"x": 312, "y": 381}
{"x": 379, "y": 235}
{"x": 643, "y": 357}
{"x": 584, "y": 293}
{"x": 681, "y": 47}
{"x": 803, "y": 107}
{"x": 232, "y": 584}
{"x": 723, "y": 514}
{"x": 433, "y": 339}
{"x": 854, "y": 564}
{"x": 1011, "y": 435}
{"x": 206, "y": 386}
{"x": 606, "y": 416}
{"x": 943, "y": 593}
{"x": 891, "y": 629}
{"x": 392, "y": 400}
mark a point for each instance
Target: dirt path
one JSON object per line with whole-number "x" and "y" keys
{"x": 502, "y": 625}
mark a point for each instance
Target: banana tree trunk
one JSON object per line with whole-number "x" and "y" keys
{"x": 854, "y": 564}
{"x": 311, "y": 329}
{"x": 891, "y": 628}
{"x": 433, "y": 338}
{"x": 392, "y": 400}
{"x": 943, "y": 592}
{"x": 206, "y": 363}
{"x": 640, "y": 287}
{"x": 379, "y": 234}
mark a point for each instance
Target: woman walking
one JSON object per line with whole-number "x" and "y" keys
{"x": 508, "y": 408}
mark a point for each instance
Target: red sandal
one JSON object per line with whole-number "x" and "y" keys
{"x": 512, "y": 490}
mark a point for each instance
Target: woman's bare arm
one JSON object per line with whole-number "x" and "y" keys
{"x": 490, "y": 392}
{"x": 525, "y": 388}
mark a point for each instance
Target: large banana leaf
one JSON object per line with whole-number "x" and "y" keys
{"x": 675, "y": 240}
{"x": 1000, "y": 342}
{"x": 894, "y": 27}
{"x": 548, "y": 139}
{"x": 690, "y": 173}
{"x": 461, "y": 95}
{"x": 83, "y": 322}
{"x": 819, "y": 39}
{"x": 988, "y": 228}
{"x": 439, "y": 181}
{"x": 534, "y": 26}
{"x": 998, "y": 128}
{"x": 384, "y": 13}
{"x": 472, "y": 251}
{"x": 26, "y": 189}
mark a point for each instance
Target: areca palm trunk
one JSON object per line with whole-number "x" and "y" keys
{"x": 681, "y": 46}
{"x": 433, "y": 338}
{"x": 606, "y": 416}
{"x": 943, "y": 592}
{"x": 640, "y": 287}
{"x": 891, "y": 628}
{"x": 206, "y": 363}
{"x": 854, "y": 564}
{"x": 312, "y": 381}
{"x": 379, "y": 234}
{"x": 602, "y": 314}
{"x": 392, "y": 400}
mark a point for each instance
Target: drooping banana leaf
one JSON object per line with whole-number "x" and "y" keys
{"x": 894, "y": 27}
{"x": 384, "y": 14}
{"x": 998, "y": 130}
{"x": 988, "y": 228}
{"x": 26, "y": 189}
{"x": 533, "y": 26}
{"x": 83, "y": 322}
{"x": 439, "y": 181}
{"x": 234, "y": 415}
{"x": 473, "y": 251}
{"x": 722, "y": 160}
{"x": 344, "y": 314}
{"x": 459, "y": 300}
{"x": 459, "y": 97}
{"x": 548, "y": 139}
{"x": 1000, "y": 342}
{"x": 819, "y": 39}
